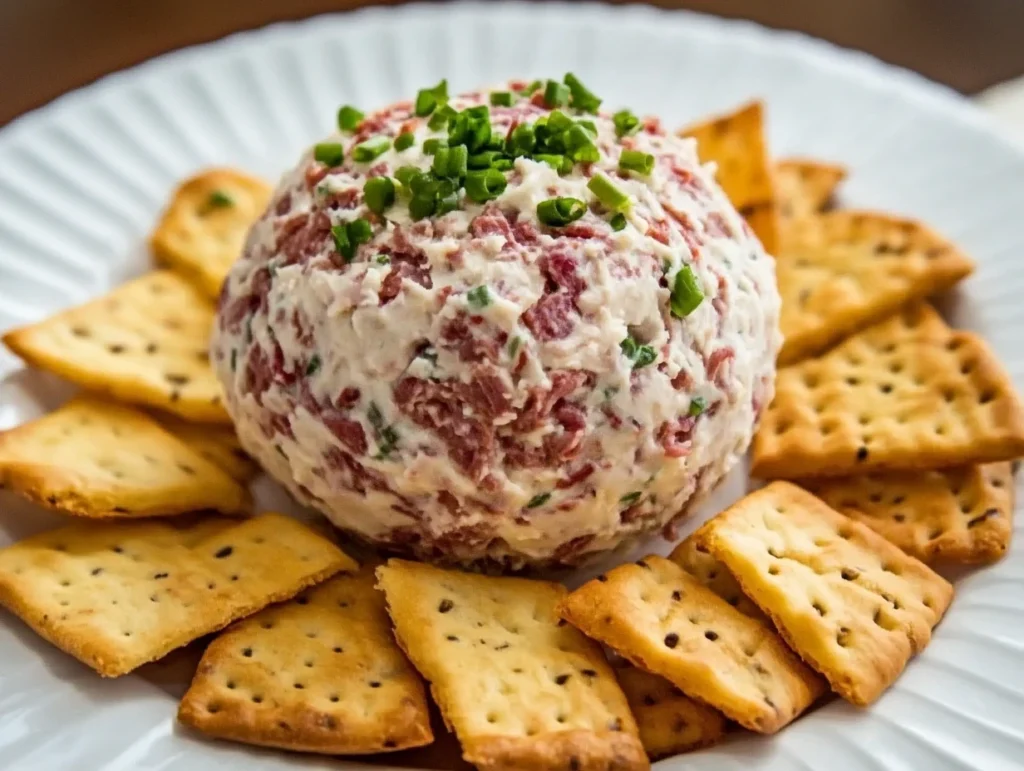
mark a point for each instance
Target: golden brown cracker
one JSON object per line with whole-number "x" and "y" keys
{"x": 805, "y": 187}
{"x": 665, "y": 621}
{"x": 670, "y": 722}
{"x": 904, "y": 395}
{"x": 695, "y": 559}
{"x": 320, "y": 673}
{"x": 218, "y": 444}
{"x": 96, "y": 458}
{"x": 520, "y": 689}
{"x": 203, "y": 229}
{"x": 119, "y": 594}
{"x": 145, "y": 342}
{"x": 853, "y": 605}
{"x": 962, "y": 514}
{"x": 845, "y": 270}
{"x": 736, "y": 142}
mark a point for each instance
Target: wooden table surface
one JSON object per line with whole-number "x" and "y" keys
{"x": 48, "y": 47}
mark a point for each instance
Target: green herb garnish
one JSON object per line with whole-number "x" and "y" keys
{"x": 538, "y": 500}
{"x": 372, "y": 148}
{"x": 607, "y": 193}
{"x": 686, "y": 294}
{"x": 349, "y": 118}
{"x": 558, "y": 212}
{"x": 478, "y": 297}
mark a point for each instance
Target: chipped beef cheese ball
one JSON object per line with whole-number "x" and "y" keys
{"x": 499, "y": 328}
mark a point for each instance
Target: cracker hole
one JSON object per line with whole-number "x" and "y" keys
{"x": 308, "y": 664}
{"x": 819, "y": 608}
{"x": 445, "y": 606}
{"x": 337, "y": 649}
{"x": 561, "y": 679}
{"x": 671, "y": 640}
{"x": 257, "y": 699}
{"x": 849, "y": 574}
{"x": 843, "y": 637}
{"x": 711, "y": 635}
{"x": 298, "y": 686}
{"x": 247, "y": 652}
{"x": 231, "y": 685}
{"x": 899, "y": 517}
{"x": 773, "y": 570}
{"x": 335, "y": 698}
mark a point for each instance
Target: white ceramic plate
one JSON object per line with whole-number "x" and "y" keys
{"x": 82, "y": 180}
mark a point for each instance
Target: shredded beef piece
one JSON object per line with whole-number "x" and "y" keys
{"x": 550, "y": 318}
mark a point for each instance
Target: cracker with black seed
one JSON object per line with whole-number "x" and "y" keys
{"x": 904, "y": 395}
{"x": 145, "y": 342}
{"x": 665, "y": 621}
{"x": 853, "y": 605}
{"x": 670, "y": 722}
{"x": 218, "y": 444}
{"x": 321, "y": 673}
{"x": 203, "y": 229}
{"x": 520, "y": 689}
{"x": 117, "y": 595}
{"x": 698, "y": 562}
{"x": 962, "y": 514}
{"x": 845, "y": 270}
{"x": 805, "y": 188}
{"x": 737, "y": 144}
{"x": 96, "y": 458}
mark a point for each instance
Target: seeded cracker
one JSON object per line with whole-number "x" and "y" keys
{"x": 321, "y": 673}
{"x": 145, "y": 342}
{"x": 962, "y": 514}
{"x": 94, "y": 458}
{"x": 906, "y": 394}
{"x": 218, "y": 444}
{"x": 846, "y": 270}
{"x": 805, "y": 188}
{"x": 117, "y": 595}
{"x": 520, "y": 690}
{"x": 695, "y": 559}
{"x": 670, "y": 723}
{"x": 853, "y": 605}
{"x": 201, "y": 233}
{"x": 665, "y": 621}
{"x": 736, "y": 143}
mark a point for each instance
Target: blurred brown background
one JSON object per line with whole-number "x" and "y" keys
{"x": 48, "y": 47}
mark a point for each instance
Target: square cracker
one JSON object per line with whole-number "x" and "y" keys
{"x": 845, "y": 270}
{"x": 961, "y": 514}
{"x": 120, "y": 594}
{"x": 906, "y": 394}
{"x": 665, "y": 621}
{"x": 670, "y": 722}
{"x": 321, "y": 673}
{"x": 854, "y": 606}
{"x": 736, "y": 143}
{"x": 805, "y": 188}
{"x": 218, "y": 444}
{"x": 95, "y": 458}
{"x": 520, "y": 689}
{"x": 695, "y": 559}
{"x": 145, "y": 342}
{"x": 203, "y": 229}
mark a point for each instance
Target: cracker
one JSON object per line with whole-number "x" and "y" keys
{"x": 805, "y": 188}
{"x": 845, "y": 270}
{"x": 520, "y": 690}
{"x": 665, "y": 621}
{"x": 119, "y": 594}
{"x": 95, "y": 458}
{"x": 321, "y": 673}
{"x": 218, "y": 444}
{"x": 145, "y": 342}
{"x": 695, "y": 559}
{"x": 203, "y": 229}
{"x": 670, "y": 722}
{"x": 904, "y": 395}
{"x": 854, "y": 606}
{"x": 961, "y": 514}
{"x": 736, "y": 143}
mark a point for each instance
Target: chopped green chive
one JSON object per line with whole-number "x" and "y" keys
{"x": 630, "y": 498}
{"x": 513, "y": 346}
{"x": 441, "y": 117}
{"x": 382, "y": 259}
{"x": 582, "y": 99}
{"x": 374, "y": 415}
{"x": 428, "y": 99}
{"x": 532, "y": 88}
{"x": 625, "y": 123}
{"x": 556, "y": 94}
{"x": 558, "y": 122}
{"x": 686, "y": 294}
{"x": 359, "y": 231}
{"x": 347, "y": 238}
{"x": 479, "y": 297}
{"x": 404, "y": 174}
{"x": 313, "y": 365}
{"x": 451, "y": 162}
{"x": 501, "y": 99}
{"x": 421, "y": 207}
{"x": 607, "y": 193}
{"x": 538, "y": 500}
{"x": 634, "y": 160}
{"x": 557, "y": 212}
{"x": 447, "y": 203}
{"x": 404, "y": 141}
{"x": 485, "y": 159}
{"x": 330, "y": 153}
{"x": 640, "y": 355}
{"x": 618, "y": 222}
{"x": 431, "y": 146}
{"x": 589, "y": 125}
{"x": 379, "y": 194}
{"x": 697, "y": 406}
{"x": 521, "y": 141}
{"x": 218, "y": 199}
{"x": 349, "y": 118}
{"x": 485, "y": 185}
{"x": 234, "y": 358}
{"x": 340, "y": 235}
{"x": 502, "y": 164}
{"x": 471, "y": 127}
{"x": 579, "y": 145}
{"x": 372, "y": 148}
{"x": 559, "y": 163}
